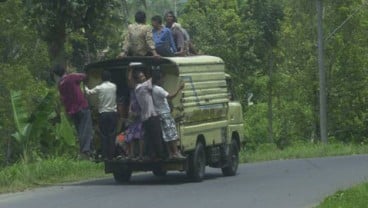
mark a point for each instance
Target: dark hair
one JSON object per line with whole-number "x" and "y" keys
{"x": 59, "y": 70}
{"x": 106, "y": 76}
{"x": 140, "y": 17}
{"x": 157, "y": 19}
{"x": 172, "y": 14}
{"x": 156, "y": 76}
{"x": 136, "y": 73}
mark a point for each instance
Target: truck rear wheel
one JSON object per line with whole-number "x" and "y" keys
{"x": 197, "y": 163}
{"x": 122, "y": 176}
{"x": 233, "y": 160}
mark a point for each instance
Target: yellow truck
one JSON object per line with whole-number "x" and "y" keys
{"x": 209, "y": 119}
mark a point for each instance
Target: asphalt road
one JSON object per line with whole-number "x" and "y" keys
{"x": 276, "y": 184}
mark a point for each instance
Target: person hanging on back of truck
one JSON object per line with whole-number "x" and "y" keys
{"x": 149, "y": 117}
{"x": 162, "y": 36}
{"x": 108, "y": 116}
{"x": 169, "y": 132}
{"x": 139, "y": 41}
{"x": 181, "y": 36}
{"x": 134, "y": 132}
{"x": 76, "y": 105}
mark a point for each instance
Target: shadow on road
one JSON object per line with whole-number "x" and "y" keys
{"x": 149, "y": 179}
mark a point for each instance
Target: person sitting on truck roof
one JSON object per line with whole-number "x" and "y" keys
{"x": 177, "y": 32}
{"x": 181, "y": 36}
{"x": 108, "y": 116}
{"x": 149, "y": 117}
{"x": 169, "y": 132}
{"x": 139, "y": 41}
{"x": 162, "y": 36}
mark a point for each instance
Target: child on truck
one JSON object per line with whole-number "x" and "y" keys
{"x": 169, "y": 132}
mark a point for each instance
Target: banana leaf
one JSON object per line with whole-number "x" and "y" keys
{"x": 40, "y": 118}
{"x": 21, "y": 118}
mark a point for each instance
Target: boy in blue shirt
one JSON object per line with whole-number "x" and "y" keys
{"x": 163, "y": 38}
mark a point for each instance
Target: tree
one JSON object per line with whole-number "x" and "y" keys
{"x": 267, "y": 16}
{"x": 22, "y": 55}
{"x": 75, "y": 28}
{"x": 346, "y": 70}
{"x": 217, "y": 29}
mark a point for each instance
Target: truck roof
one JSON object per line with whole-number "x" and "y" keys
{"x": 179, "y": 61}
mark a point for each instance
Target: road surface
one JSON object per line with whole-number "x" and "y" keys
{"x": 275, "y": 184}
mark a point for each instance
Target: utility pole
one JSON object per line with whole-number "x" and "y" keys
{"x": 322, "y": 75}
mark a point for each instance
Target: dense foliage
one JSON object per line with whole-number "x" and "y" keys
{"x": 268, "y": 45}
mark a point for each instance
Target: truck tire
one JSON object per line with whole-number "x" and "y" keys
{"x": 122, "y": 176}
{"x": 159, "y": 172}
{"x": 197, "y": 163}
{"x": 233, "y": 160}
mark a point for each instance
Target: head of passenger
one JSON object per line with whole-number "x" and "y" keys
{"x": 139, "y": 76}
{"x": 170, "y": 18}
{"x": 140, "y": 17}
{"x": 157, "y": 77}
{"x": 57, "y": 72}
{"x": 156, "y": 21}
{"x": 106, "y": 76}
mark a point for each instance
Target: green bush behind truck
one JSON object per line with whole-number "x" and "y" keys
{"x": 209, "y": 120}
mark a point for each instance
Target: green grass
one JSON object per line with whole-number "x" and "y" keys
{"x": 21, "y": 176}
{"x": 265, "y": 152}
{"x": 356, "y": 197}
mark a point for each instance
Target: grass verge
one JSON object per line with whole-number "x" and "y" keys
{"x": 265, "y": 152}
{"x": 21, "y": 176}
{"x": 356, "y": 197}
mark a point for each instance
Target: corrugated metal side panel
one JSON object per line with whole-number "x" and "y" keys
{"x": 202, "y": 68}
{"x": 205, "y": 96}
{"x": 195, "y": 60}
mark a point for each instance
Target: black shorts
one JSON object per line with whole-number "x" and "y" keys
{"x": 153, "y": 136}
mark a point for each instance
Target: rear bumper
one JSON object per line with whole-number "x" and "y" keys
{"x": 118, "y": 165}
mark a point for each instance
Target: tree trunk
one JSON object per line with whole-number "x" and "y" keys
{"x": 269, "y": 102}
{"x": 126, "y": 12}
{"x": 8, "y": 151}
{"x": 58, "y": 36}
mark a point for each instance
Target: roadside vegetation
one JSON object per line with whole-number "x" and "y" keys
{"x": 265, "y": 152}
{"x": 356, "y": 197}
{"x": 24, "y": 175}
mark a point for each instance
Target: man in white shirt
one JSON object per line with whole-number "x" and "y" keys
{"x": 108, "y": 117}
{"x": 149, "y": 117}
{"x": 168, "y": 126}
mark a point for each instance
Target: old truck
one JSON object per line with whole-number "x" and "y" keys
{"x": 209, "y": 119}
